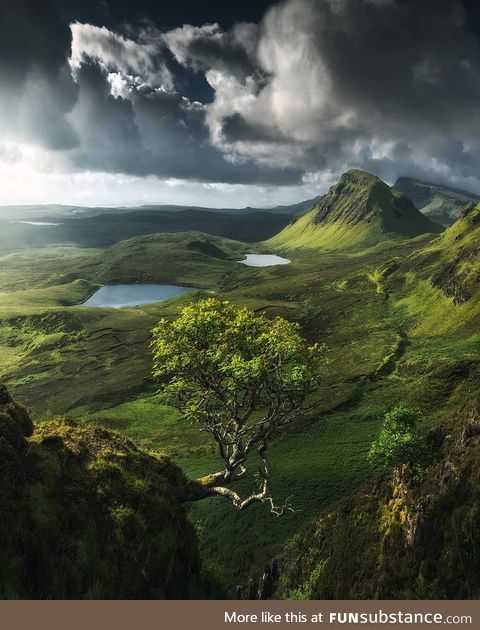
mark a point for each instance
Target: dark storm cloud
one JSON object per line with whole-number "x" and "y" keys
{"x": 360, "y": 82}
{"x": 235, "y": 128}
{"x": 167, "y": 14}
{"x": 405, "y": 60}
{"x": 315, "y": 87}
{"x": 208, "y": 47}
{"x": 152, "y": 132}
{"x": 36, "y": 89}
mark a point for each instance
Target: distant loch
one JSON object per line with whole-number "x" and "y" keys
{"x": 36, "y": 222}
{"x": 263, "y": 260}
{"x": 127, "y": 295}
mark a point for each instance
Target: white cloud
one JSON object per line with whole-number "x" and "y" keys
{"x": 390, "y": 86}
{"x": 139, "y": 60}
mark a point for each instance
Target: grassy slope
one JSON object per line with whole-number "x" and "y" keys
{"x": 377, "y": 313}
{"x": 402, "y": 537}
{"x": 359, "y": 211}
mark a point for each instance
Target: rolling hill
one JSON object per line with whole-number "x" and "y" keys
{"x": 438, "y": 202}
{"x": 37, "y": 212}
{"x": 191, "y": 258}
{"x": 357, "y": 212}
{"x": 103, "y": 230}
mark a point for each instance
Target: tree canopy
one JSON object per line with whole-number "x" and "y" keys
{"x": 242, "y": 377}
{"x": 397, "y": 442}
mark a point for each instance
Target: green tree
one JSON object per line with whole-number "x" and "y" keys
{"x": 397, "y": 442}
{"x": 242, "y": 377}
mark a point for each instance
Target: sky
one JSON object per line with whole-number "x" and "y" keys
{"x": 228, "y": 104}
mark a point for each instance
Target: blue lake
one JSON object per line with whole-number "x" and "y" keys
{"x": 123, "y": 295}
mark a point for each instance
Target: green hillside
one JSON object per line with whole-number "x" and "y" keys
{"x": 398, "y": 538}
{"x": 192, "y": 258}
{"x": 438, "y": 284}
{"x": 358, "y": 212}
{"x": 440, "y": 203}
{"x": 457, "y": 271}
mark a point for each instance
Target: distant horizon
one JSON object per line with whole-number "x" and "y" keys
{"x": 230, "y": 201}
{"x": 141, "y": 204}
{"x": 178, "y": 194}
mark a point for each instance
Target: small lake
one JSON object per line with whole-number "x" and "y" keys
{"x": 123, "y": 295}
{"x": 36, "y": 222}
{"x": 263, "y": 260}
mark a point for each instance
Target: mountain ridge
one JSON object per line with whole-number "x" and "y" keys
{"x": 439, "y": 202}
{"x": 11, "y": 212}
{"x": 359, "y": 211}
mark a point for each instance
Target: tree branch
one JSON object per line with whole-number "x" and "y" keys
{"x": 206, "y": 486}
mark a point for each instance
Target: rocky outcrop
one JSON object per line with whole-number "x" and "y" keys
{"x": 86, "y": 514}
{"x": 406, "y": 536}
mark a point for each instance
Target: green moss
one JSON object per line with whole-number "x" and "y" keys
{"x": 86, "y": 514}
{"x": 399, "y": 538}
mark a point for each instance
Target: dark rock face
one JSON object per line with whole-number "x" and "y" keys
{"x": 469, "y": 214}
{"x": 452, "y": 283}
{"x": 349, "y": 201}
{"x": 206, "y": 247}
{"x": 399, "y": 538}
{"x": 15, "y": 423}
{"x": 15, "y": 426}
{"x": 260, "y": 586}
{"x": 85, "y": 514}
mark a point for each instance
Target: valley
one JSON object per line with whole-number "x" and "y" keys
{"x": 393, "y": 299}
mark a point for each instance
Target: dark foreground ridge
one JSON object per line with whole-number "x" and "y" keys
{"x": 398, "y": 538}
{"x": 85, "y": 514}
